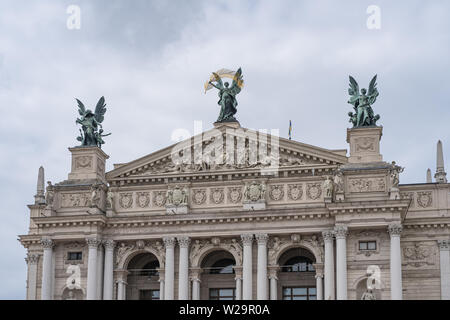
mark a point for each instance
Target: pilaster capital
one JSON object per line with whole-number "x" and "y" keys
{"x": 32, "y": 258}
{"x": 47, "y": 243}
{"x": 247, "y": 239}
{"x": 161, "y": 273}
{"x": 262, "y": 238}
{"x": 109, "y": 244}
{"x": 340, "y": 231}
{"x": 444, "y": 245}
{"x": 395, "y": 229}
{"x": 184, "y": 241}
{"x": 121, "y": 275}
{"x": 93, "y": 242}
{"x": 195, "y": 274}
{"x": 328, "y": 235}
{"x": 273, "y": 271}
{"x": 169, "y": 242}
{"x": 237, "y": 272}
{"x": 319, "y": 269}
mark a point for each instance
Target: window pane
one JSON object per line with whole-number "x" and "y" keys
{"x": 363, "y": 245}
{"x": 312, "y": 291}
{"x": 226, "y": 292}
{"x": 299, "y": 298}
{"x": 297, "y": 291}
{"x": 287, "y": 291}
{"x": 372, "y": 245}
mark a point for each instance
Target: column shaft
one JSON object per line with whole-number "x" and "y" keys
{"x": 169, "y": 243}
{"x": 183, "y": 269}
{"x": 329, "y": 265}
{"x": 273, "y": 288}
{"x": 261, "y": 277}
{"x": 196, "y": 289}
{"x": 341, "y": 262}
{"x": 247, "y": 271}
{"x": 396, "y": 262}
{"x": 47, "y": 262}
{"x": 32, "y": 261}
{"x": 319, "y": 287}
{"x": 91, "y": 292}
{"x": 444, "y": 255}
{"x": 100, "y": 261}
{"x": 238, "y": 288}
{"x": 108, "y": 281}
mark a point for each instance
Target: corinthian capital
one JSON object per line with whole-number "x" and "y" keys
{"x": 169, "y": 242}
{"x": 395, "y": 229}
{"x": 93, "y": 242}
{"x": 32, "y": 258}
{"x": 247, "y": 239}
{"x": 47, "y": 243}
{"x": 444, "y": 244}
{"x": 184, "y": 241}
{"x": 262, "y": 238}
{"x": 328, "y": 235}
{"x": 109, "y": 244}
{"x": 340, "y": 232}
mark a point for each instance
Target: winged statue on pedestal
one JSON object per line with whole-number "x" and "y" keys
{"x": 91, "y": 133}
{"x": 362, "y": 102}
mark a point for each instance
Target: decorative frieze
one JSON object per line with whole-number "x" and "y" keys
{"x": 358, "y": 185}
{"x": 80, "y": 199}
{"x": 143, "y": 199}
{"x": 295, "y": 191}
{"x": 126, "y": 200}
{"x": 419, "y": 255}
{"x": 217, "y": 195}
{"x": 313, "y": 190}
{"x": 276, "y": 192}
{"x": 424, "y": 199}
{"x": 234, "y": 194}
{"x": 199, "y": 196}
{"x": 159, "y": 198}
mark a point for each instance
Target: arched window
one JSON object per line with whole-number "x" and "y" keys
{"x": 150, "y": 269}
{"x": 298, "y": 264}
{"x": 223, "y": 266}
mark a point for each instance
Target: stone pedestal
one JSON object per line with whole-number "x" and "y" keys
{"x": 173, "y": 209}
{"x": 394, "y": 193}
{"x": 340, "y": 196}
{"x": 254, "y": 205}
{"x": 364, "y": 144}
{"x": 88, "y": 163}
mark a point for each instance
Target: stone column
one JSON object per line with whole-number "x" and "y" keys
{"x": 329, "y": 264}
{"x": 195, "y": 278}
{"x": 47, "y": 270}
{"x": 247, "y": 241}
{"x": 395, "y": 230}
{"x": 169, "y": 243}
{"x": 121, "y": 284}
{"x": 261, "y": 276}
{"x": 183, "y": 269}
{"x": 100, "y": 266}
{"x": 161, "y": 283}
{"x": 108, "y": 280}
{"x": 444, "y": 258}
{"x": 341, "y": 262}
{"x": 32, "y": 262}
{"x": 91, "y": 292}
{"x": 273, "y": 278}
{"x": 238, "y": 279}
{"x": 319, "y": 281}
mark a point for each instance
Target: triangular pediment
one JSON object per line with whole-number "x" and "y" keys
{"x": 241, "y": 149}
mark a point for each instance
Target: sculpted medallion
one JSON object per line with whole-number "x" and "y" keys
{"x": 295, "y": 191}
{"x": 126, "y": 200}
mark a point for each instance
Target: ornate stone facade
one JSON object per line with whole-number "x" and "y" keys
{"x": 180, "y": 226}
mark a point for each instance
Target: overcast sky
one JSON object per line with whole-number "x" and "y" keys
{"x": 150, "y": 60}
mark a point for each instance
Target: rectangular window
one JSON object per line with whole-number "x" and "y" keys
{"x": 367, "y": 245}
{"x": 74, "y": 256}
{"x": 148, "y": 294}
{"x": 222, "y": 294}
{"x": 299, "y": 293}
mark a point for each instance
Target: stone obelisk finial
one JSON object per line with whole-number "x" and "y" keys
{"x": 39, "y": 198}
{"x": 440, "y": 174}
{"x": 429, "y": 180}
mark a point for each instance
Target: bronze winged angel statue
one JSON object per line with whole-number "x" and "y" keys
{"x": 91, "y": 133}
{"x": 362, "y": 103}
{"x": 227, "y": 95}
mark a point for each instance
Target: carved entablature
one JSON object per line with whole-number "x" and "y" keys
{"x": 366, "y": 184}
{"x": 76, "y": 199}
{"x": 419, "y": 254}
